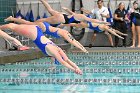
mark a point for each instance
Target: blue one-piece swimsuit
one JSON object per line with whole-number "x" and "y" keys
{"x": 70, "y": 20}
{"x": 40, "y": 45}
{"x": 94, "y": 28}
{"x": 54, "y": 34}
{"x": 55, "y": 25}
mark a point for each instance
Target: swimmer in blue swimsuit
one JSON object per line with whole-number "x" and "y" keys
{"x": 94, "y": 28}
{"x": 58, "y": 17}
{"x": 97, "y": 27}
{"x": 44, "y": 44}
{"x": 49, "y": 30}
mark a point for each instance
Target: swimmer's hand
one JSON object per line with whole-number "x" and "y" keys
{"x": 64, "y": 8}
{"x": 85, "y": 51}
{"x": 106, "y": 23}
{"x": 78, "y": 71}
{"x": 61, "y": 26}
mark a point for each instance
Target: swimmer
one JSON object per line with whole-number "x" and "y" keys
{"x": 98, "y": 27}
{"x": 34, "y": 32}
{"x": 49, "y": 30}
{"x": 58, "y": 17}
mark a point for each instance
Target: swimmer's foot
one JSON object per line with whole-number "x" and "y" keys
{"x": 21, "y": 48}
{"x": 132, "y": 46}
{"x": 138, "y": 46}
{"x": 8, "y": 19}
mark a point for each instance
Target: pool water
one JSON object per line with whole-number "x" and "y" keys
{"x": 103, "y": 72}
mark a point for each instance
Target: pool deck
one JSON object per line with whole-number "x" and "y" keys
{"x": 34, "y": 53}
{"x": 19, "y": 56}
{"x": 110, "y": 49}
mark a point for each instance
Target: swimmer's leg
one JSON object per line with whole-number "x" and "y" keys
{"x": 51, "y": 20}
{"x": 13, "y": 41}
{"x": 21, "y": 21}
{"x": 56, "y": 17}
{"x": 49, "y": 8}
{"x": 82, "y": 17}
{"x": 110, "y": 38}
{"x": 9, "y": 38}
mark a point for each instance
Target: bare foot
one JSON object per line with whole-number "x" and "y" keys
{"x": 8, "y": 19}
{"x": 21, "y": 48}
{"x": 132, "y": 46}
{"x": 138, "y": 46}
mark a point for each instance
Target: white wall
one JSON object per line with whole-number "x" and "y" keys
{"x": 88, "y": 4}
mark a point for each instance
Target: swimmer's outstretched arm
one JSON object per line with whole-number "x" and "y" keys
{"x": 67, "y": 36}
{"x": 118, "y": 32}
{"x": 84, "y": 18}
{"x": 111, "y": 31}
{"x": 9, "y": 38}
{"x": 66, "y": 59}
{"x": 68, "y": 10}
{"x": 72, "y": 25}
{"x": 86, "y": 11}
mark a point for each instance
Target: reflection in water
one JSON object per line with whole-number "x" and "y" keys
{"x": 102, "y": 89}
{"x": 75, "y": 89}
